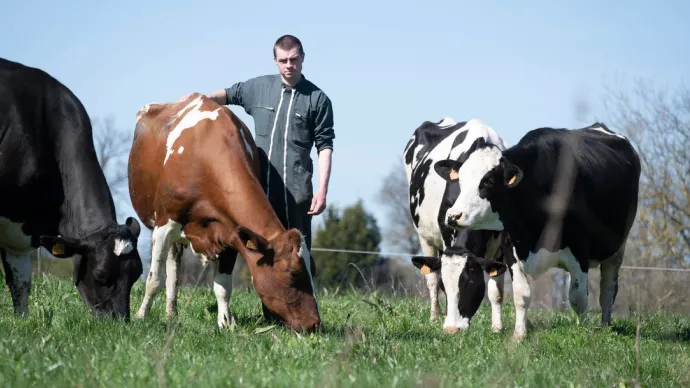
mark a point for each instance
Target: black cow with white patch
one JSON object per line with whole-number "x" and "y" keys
{"x": 54, "y": 194}
{"x": 465, "y": 255}
{"x": 568, "y": 198}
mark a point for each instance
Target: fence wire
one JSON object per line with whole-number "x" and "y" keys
{"x": 400, "y": 254}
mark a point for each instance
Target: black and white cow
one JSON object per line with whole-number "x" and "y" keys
{"x": 54, "y": 194}
{"x": 465, "y": 255}
{"x": 567, "y": 198}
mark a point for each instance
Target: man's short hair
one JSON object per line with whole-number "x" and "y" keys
{"x": 287, "y": 42}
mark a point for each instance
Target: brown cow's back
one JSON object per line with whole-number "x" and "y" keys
{"x": 174, "y": 149}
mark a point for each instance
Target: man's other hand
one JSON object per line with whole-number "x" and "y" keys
{"x": 318, "y": 203}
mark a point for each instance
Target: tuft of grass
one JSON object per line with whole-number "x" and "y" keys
{"x": 368, "y": 340}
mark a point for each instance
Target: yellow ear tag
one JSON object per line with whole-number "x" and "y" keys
{"x": 250, "y": 244}
{"x": 454, "y": 174}
{"x": 493, "y": 272}
{"x": 58, "y": 249}
{"x": 512, "y": 179}
{"x": 425, "y": 269}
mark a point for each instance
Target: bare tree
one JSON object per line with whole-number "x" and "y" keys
{"x": 112, "y": 147}
{"x": 398, "y": 230}
{"x": 657, "y": 122}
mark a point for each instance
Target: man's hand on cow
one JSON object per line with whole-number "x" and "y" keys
{"x": 318, "y": 203}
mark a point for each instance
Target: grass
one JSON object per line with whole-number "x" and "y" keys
{"x": 369, "y": 341}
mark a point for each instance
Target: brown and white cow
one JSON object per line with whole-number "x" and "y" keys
{"x": 193, "y": 172}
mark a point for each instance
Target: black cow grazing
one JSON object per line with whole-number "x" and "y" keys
{"x": 568, "y": 198}
{"x": 462, "y": 263}
{"x": 55, "y": 195}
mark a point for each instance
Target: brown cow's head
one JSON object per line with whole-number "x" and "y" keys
{"x": 282, "y": 274}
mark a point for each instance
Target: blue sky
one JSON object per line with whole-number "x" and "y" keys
{"x": 387, "y": 66}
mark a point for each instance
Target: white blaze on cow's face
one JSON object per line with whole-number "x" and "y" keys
{"x": 472, "y": 210}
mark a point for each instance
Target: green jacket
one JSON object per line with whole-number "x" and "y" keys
{"x": 305, "y": 112}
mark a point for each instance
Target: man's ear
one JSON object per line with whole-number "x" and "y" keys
{"x": 492, "y": 267}
{"x": 512, "y": 174}
{"x": 252, "y": 241}
{"x": 60, "y": 247}
{"x": 448, "y": 169}
{"x": 427, "y": 264}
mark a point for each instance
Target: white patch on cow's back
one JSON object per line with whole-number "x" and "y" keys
{"x": 142, "y": 111}
{"x": 598, "y": 128}
{"x": 180, "y": 150}
{"x": 123, "y": 247}
{"x": 447, "y": 122}
{"x": 12, "y": 238}
{"x": 191, "y": 116}
{"x": 476, "y": 212}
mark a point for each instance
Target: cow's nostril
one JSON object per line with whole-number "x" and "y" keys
{"x": 455, "y": 217}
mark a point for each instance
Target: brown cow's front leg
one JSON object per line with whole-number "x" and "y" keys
{"x": 222, "y": 285}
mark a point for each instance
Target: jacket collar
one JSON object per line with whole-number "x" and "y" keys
{"x": 299, "y": 86}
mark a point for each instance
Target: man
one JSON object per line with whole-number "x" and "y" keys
{"x": 291, "y": 115}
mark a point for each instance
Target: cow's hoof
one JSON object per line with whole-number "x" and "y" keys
{"x": 519, "y": 336}
{"x": 224, "y": 323}
{"x": 140, "y": 315}
{"x": 451, "y": 329}
{"x": 496, "y": 329}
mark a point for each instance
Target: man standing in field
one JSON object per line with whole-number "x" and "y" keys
{"x": 291, "y": 115}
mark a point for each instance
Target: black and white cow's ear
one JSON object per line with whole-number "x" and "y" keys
{"x": 60, "y": 247}
{"x": 512, "y": 174}
{"x": 448, "y": 169}
{"x": 134, "y": 226}
{"x": 492, "y": 267}
{"x": 426, "y": 264}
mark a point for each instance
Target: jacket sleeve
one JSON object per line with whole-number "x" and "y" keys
{"x": 323, "y": 124}
{"x": 240, "y": 93}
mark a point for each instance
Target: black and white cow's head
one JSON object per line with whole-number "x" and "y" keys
{"x": 106, "y": 265}
{"x": 470, "y": 289}
{"x": 485, "y": 179}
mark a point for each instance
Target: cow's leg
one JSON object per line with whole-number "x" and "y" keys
{"x": 160, "y": 248}
{"x": 18, "y": 279}
{"x": 222, "y": 285}
{"x": 451, "y": 269}
{"x": 609, "y": 284}
{"x": 521, "y": 298}
{"x": 495, "y": 292}
{"x": 432, "y": 279}
{"x": 172, "y": 281}
{"x": 579, "y": 289}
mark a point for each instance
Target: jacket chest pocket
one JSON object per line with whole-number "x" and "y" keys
{"x": 263, "y": 119}
{"x": 301, "y": 132}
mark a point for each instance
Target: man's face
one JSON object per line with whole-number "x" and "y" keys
{"x": 289, "y": 63}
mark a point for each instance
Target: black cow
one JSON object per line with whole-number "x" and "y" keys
{"x": 568, "y": 198}
{"x": 54, "y": 194}
{"x": 462, "y": 263}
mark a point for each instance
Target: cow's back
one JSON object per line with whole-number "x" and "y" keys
{"x": 605, "y": 190}
{"x": 175, "y": 147}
